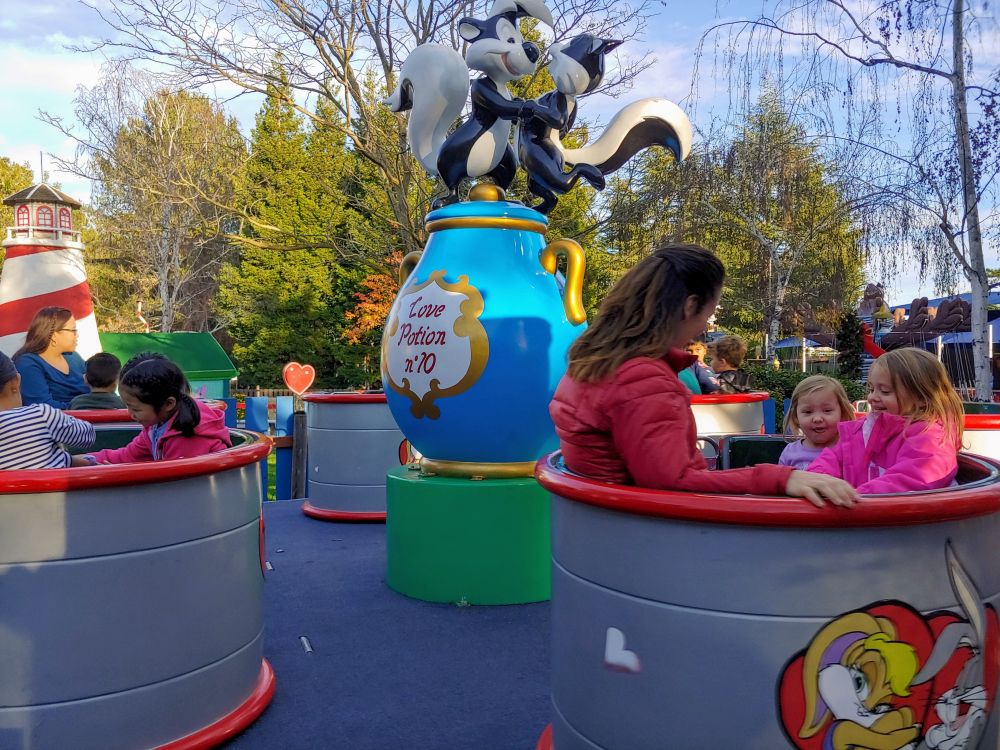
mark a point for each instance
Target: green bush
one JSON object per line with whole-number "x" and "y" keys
{"x": 781, "y": 383}
{"x": 849, "y": 345}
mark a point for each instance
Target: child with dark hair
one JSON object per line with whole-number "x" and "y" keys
{"x": 136, "y": 359}
{"x": 174, "y": 425}
{"x": 31, "y": 437}
{"x": 101, "y": 376}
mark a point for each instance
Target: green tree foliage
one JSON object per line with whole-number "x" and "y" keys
{"x": 163, "y": 168}
{"x": 849, "y": 346}
{"x": 13, "y": 177}
{"x": 767, "y": 203}
{"x": 289, "y": 304}
{"x": 906, "y": 93}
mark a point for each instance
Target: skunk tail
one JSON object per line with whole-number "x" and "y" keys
{"x": 639, "y": 125}
{"x": 433, "y": 85}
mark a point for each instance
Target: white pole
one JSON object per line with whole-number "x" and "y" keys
{"x": 940, "y": 347}
{"x": 803, "y": 354}
{"x": 989, "y": 349}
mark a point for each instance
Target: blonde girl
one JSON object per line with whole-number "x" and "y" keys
{"x": 819, "y": 404}
{"x": 910, "y": 439}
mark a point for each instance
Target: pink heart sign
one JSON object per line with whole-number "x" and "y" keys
{"x": 298, "y": 377}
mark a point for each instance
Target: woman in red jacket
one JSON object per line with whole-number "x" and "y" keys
{"x": 620, "y": 412}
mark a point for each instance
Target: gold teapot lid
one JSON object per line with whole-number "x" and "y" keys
{"x": 493, "y": 212}
{"x": 487, "y": 191}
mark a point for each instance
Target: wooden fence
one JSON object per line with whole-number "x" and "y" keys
{"x": 257, "y": 392}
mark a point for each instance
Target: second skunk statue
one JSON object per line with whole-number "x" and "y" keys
{"x": 577, "y": 67}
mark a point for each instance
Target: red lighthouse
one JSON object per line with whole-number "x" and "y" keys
{"x": 43, "y": 266}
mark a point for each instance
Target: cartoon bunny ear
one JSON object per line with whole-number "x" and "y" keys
{"x": 966, "y": 593}
{"x": 950, "y": 638}
{"x": 956, "y": 634}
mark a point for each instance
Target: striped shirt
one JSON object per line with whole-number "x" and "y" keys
{"x": 31, "y": 437}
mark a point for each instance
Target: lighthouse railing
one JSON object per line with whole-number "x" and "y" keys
{"x": 46, "y": 233}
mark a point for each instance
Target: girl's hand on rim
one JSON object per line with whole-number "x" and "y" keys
{"x": 818, "y": 488}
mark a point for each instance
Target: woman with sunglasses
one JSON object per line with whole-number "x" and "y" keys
{"x": 51, "y": 370}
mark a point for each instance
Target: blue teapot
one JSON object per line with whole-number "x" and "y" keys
{"x": 476, "y": 340}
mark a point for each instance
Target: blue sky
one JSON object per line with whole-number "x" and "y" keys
{"x": 42, "y": 74}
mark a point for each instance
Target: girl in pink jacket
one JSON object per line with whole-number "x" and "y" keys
{"x": 911, "y": 438}
{"x": 174, "y": 425}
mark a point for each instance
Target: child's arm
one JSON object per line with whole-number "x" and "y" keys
{"x": 69, "y": 430}
{"x": 924, "y": 462}
{"x": 706, "y": 378}
{"x": 830, "y": 461}
{"x": 137, "y": 451}
{"x": 178, "y": 446}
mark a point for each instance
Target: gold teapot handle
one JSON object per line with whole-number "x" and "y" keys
{"x": 575, "y": 265}
{"x": 407, "y": 265}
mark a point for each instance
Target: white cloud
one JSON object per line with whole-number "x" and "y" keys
{"x": 34, "y": 74}
{"x": 36, "y": 22}
{"x": 669, "y": 77}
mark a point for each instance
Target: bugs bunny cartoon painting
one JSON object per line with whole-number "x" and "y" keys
{"x": 962, "y": 708}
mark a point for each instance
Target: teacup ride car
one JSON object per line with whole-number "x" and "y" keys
{"x": 353, "y": 441}
{"x": 692, "y": 620}
{"x": 720, "y": 414}
{"x": 132, "y": 598}
{"x": 120, "y": 416}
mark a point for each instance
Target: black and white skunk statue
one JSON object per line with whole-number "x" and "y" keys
{"x": 577, "y": 67}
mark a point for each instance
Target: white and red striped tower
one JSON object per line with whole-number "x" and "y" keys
{"x": 43, "y": 266}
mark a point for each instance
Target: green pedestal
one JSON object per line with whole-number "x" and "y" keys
{"x": 467, "y": 541}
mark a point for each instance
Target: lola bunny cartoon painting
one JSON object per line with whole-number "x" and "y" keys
{"x": 887, "y": 677}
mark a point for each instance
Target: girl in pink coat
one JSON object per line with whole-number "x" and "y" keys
{"x": 174, "y": 425}
{"x": 911, "y": 438}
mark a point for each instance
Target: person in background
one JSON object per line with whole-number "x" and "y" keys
{"x": 102, "y": 379}
{"x": 911, "y": 437}
{"x": 32, "y": 437}
{"x": 621, "y": 413}
{"x": 51, "y": 370}
{"x": 819, "y": 404}
{"x": 727, "y": 356}
{"x": 707, "y": 381}
{"x": 690, "y": 381}
{"x": 174, "y": 425}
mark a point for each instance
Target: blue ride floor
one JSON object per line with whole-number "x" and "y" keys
{"x": 387, "y": 671}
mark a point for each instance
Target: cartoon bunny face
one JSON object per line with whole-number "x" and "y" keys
{"x": 962, "y": 715}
